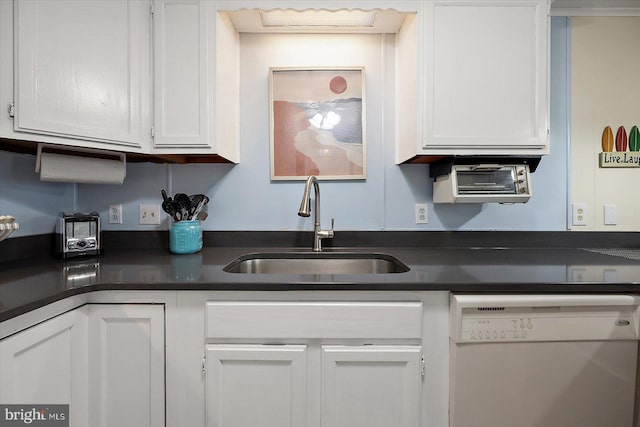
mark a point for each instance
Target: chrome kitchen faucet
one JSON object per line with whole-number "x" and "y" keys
{"x": 305, "y": 211}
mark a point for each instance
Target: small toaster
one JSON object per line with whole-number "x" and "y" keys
{"x": 78, "y": 234}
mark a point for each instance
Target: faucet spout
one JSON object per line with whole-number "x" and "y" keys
{"x": 305, "y": 211}
{"x": 305, "y": 205}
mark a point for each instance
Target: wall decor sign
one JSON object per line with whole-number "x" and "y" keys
{"x": 317, "y": 124}
{"x": 620, "y": 158}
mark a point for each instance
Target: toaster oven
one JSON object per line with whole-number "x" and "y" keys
{"x": 484, "y": 183}
{"x": 78, "y": 234}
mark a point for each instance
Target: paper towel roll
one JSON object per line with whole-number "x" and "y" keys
{"x": 87, "y": 170}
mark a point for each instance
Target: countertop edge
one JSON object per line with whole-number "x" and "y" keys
{"x": 507, "y": 287}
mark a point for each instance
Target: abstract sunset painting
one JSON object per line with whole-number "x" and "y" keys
{"x": 317, "y": 123}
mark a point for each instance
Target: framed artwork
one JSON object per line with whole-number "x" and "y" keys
{"x": 317, "y": 123}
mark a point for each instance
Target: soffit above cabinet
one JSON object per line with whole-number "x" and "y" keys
{"x": 595, "y": 8}
{"x": 368, "y": 21}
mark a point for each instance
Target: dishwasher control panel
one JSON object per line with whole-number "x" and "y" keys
{"x": 498, "y": 329}
{"x": 514, "y": 318}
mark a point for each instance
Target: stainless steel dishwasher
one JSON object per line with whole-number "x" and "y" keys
{"x": 543, "y": 360}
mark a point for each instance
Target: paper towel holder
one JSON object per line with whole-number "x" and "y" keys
{"x": 106, "y": 167}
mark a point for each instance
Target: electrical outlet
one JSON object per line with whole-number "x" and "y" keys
{"x": 422, "y": 213}
{"x": 115, "y": 214}
{"x": 579, "y": 214}
{"x": 150, "y": 214}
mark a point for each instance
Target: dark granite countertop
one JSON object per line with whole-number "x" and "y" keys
{"x": 31, "y": 283}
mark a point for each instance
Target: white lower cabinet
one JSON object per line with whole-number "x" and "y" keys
{"x": 105, "y": 360}
{"x": 47, "y": 364}
{"x": 256, "y": 385}
{"x": 126, "y": 365}
{"x": 328, "y": 364}
{"x": 297, "y": 359}
{"x": 371, "y": 386}
{"x": 266, "y": 385}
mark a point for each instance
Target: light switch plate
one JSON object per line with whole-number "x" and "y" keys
{"x": 150, "y": 214}
{"x": 610, "y": 215}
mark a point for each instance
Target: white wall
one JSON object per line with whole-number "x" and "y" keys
{"x": 605, "y": 91}
{"x": 244, "y": 198}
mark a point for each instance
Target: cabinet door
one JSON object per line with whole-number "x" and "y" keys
{"x": 82, "y": 71}
{"x": 47, "y": 364}
{"x": 486, "y": 77}
{"x": 181, "y": 74}
{"x": 256, "y": 385}
{"x": 371, "y": 386}
{"x": 126, "y": 355}
{"x": 196, "y": 79}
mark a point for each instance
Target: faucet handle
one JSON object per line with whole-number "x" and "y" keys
{"x": 330, "y": 232}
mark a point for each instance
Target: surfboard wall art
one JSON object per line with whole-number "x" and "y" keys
{"x": 623, "y": 151}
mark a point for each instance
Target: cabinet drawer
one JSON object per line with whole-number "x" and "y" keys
{"x": 365, "y": 320}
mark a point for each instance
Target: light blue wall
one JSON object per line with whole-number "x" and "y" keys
{"x": 35, "y": 204}
{"x": 244, "y": 198}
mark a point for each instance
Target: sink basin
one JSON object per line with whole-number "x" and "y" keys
{"x": 316, "y": 263}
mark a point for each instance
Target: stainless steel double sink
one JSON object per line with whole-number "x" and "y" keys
{"x": 316, "y": 263}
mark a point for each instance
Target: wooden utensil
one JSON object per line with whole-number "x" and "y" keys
{"x": 607, "y": 139}
{"x": 621, "y": 139}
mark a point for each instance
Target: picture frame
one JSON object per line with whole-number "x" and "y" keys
{"x": 317, "y": 123}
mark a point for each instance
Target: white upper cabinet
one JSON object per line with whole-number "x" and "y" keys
{"x": 486, "y": 75}
{"x": 82, "y": 71}
{"x": 471, "y": 75}
{"x": 196, "y": 79}
{"x": 180, "y": 65}
{"x": 142, "y": 76}
{"x": 485, "y": 79}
